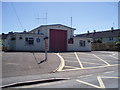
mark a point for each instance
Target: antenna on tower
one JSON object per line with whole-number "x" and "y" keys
{"x": 71, "y": 18}
{"x": 38, "y": 18}
{"x": 44, "y": 17}
{"x": 113, "y": 24}
{"x": 71, "y": 21}
{"x": 71, "y": 25}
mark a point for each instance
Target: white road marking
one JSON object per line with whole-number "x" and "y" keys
{"x": 78, "y": 60}
{"x": 88, "y": 84}
{"x": 100, "y": 82}
{"x": 101, "y": 59}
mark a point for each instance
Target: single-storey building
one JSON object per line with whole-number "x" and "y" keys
{"x": 59, "y": 38}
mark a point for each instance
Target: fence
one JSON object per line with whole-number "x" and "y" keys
{"x": 104, "y": 47}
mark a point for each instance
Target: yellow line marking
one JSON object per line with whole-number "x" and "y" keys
{"x": 100, "y": 82}
{"x": 70, "y": 58}
{"x": 88, "y": 58}
{"x": 106, "y": 52}
{"x": 109, "y": 72}
{"x": 112, "y": 60}
{"x": 85, "y": 76}
{"x": 90, "y": 67}
{"x": 88, "y": 84}
{"x": 78, "y": 60}
{"x": 62, "y": 64}
{"x": 101, "y": 59}
{"x": 113, "y": 57}
{"x": 93, "y": 63}
{"x": 44, "y": 84}
{"x": 84, "y": 53}
{"x": 71, "y": 67}
{"x": 68, "y": 55}
{"x": 71, "y": 61}
{"x": 12, "y": 63}
{"x": 108, "y": 77}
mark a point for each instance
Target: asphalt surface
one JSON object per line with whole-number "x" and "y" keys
{"x": 101, "y": 80}
{"x": 26, "y": 63}
{"x": 97, "y": 69}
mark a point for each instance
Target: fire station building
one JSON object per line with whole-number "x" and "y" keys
{"x": 59, "y": 38}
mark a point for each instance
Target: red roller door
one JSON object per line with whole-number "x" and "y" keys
{"x": 58, "y": 40}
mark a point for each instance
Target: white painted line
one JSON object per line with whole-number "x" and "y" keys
{"x": 100, "y": 82}
{"x": 113, "y": 57}
{"x": 78, "y": 60}
{"x": 101, "y": 59}
{"x": 88, "y": 84}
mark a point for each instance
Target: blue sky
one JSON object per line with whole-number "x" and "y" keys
{"x": 86, "y": 16}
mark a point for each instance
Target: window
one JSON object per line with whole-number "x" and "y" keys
{"x": 110, "y": 38}
{"x": 82, "y": 43}
{"x": 29, "y": 41}
{"x": 38, "y": 31}
{"x": 70, "y": 41}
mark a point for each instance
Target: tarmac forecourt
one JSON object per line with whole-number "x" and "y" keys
{"x": 84, "y": 70}
{"x": 103, "y": 80}
{"x": 84, "y": 60}
{"x": 80, "y": 60}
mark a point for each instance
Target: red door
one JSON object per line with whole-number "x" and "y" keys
{"x": 58, "y": 40}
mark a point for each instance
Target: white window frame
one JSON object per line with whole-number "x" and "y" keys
{"x": 29, "y": 41}
{"x": 82, "y": 43}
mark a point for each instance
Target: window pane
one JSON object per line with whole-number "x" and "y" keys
{"x": 31, "y": 42}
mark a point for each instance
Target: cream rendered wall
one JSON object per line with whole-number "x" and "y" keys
{"x": 11, "y": 45}
{"x": 70, "y": 32}
{"x": 21, "y": 45}
{"x": 76, "y": 46}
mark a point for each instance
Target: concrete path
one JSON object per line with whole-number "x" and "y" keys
{"x": 26, "y": 63}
